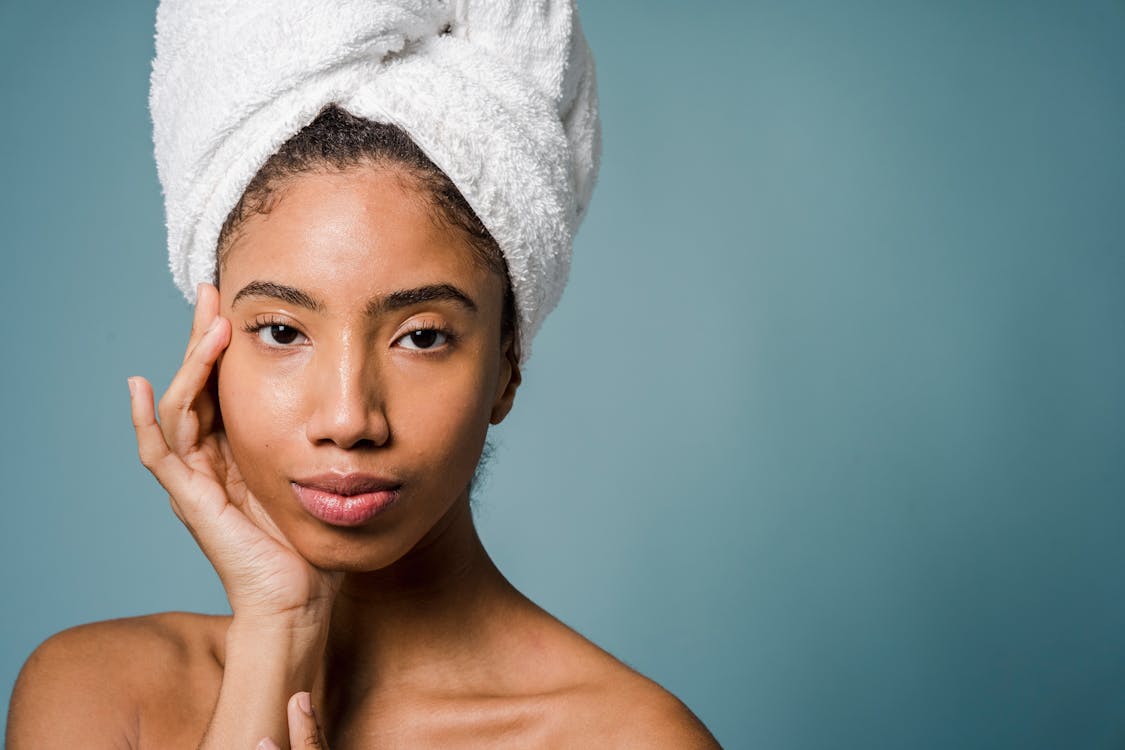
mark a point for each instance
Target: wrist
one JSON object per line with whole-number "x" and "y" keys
{"x": 277, "y": 631}
{"x": 266, "y": 661}
{"x": 308, "y": 615}
{"x": 284, "y": 653}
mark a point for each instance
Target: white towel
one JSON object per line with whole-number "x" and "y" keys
{"x": 500, "y": 94}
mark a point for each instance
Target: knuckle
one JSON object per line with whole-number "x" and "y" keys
{"x": 179, "y": 512}
{"x": 196, "y": 351}
{"x": 148, "y": 456}
{"x": 171, "y": 405}
{"x": 152, "y": 452}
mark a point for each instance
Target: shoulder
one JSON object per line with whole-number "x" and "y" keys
{"x": 640, "y": 713}
{"x": 614, "y": 705}
{"x": 98, "y": 677}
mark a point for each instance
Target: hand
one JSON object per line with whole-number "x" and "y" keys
{"x": 264, "y": 576}
{"x": 304, "y": 730}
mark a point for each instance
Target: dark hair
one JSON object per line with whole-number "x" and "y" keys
{"x": 337, "y": 139}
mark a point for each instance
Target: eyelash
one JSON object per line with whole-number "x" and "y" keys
{"x": 253, "y": 327}
{"x": 427, "y": 325}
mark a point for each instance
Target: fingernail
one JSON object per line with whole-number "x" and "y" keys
{"x": 267, "y": 744}
{"x": 132, "y": 387}
{"x": 305, "y": 703}
{"x": 214, "y": 324}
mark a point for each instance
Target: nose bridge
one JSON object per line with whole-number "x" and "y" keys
{"x": 347, "y": 398}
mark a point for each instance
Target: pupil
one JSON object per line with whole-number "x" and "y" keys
{"x": 283, "y": 334}
{"x": 424, "y": 338}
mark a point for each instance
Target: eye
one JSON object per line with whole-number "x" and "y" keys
{"x": 275, "y": 335}
{"x": 427, "y": 337}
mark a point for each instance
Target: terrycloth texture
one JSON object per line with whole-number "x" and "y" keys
{"x": 500, "y": 94}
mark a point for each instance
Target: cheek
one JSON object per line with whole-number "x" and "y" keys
{"x": 444, "y": 419}
{"x": 257, "y": 405}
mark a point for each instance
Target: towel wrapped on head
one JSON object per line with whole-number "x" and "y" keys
{"x": 499, "y": 94}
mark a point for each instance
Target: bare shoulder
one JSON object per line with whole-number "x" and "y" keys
{"x": 100, "y": 678}
{"x": 640, "y": 713}
{"x": 618, "y": 706}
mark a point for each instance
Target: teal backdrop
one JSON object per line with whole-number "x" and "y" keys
{"x": 828, "y": 432}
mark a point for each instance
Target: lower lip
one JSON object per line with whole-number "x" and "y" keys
{"x": 344, "y": 510}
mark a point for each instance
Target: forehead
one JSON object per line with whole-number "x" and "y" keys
{"x": 350, "y": 235}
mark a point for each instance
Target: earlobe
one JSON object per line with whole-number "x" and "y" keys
{"x": 508, "y": 382}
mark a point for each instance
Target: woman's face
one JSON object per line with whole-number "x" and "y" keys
{"x": 328, "y": 372}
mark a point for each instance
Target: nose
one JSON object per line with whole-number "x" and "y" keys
{"x": 348, "y": 401}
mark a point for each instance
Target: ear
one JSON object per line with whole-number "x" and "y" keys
{"x": 506, "y": 385}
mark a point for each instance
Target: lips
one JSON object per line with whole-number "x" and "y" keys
{"x": 348, "y": 484}
{"x": 348, "y": 499}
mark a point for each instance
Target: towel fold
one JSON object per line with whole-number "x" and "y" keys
{"x": 500, "y": 94}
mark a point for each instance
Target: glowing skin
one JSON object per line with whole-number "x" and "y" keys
{"x": 402, "y": 632}
{"x": 348, "y": 391}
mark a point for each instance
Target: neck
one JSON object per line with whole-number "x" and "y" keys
{"x": 428, "y": 618}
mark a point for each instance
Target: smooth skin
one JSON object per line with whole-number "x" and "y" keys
{"x": 398, "y": 633}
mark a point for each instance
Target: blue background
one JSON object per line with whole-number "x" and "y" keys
{"x": 828, "y": 432}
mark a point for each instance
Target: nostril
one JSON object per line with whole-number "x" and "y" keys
{"x": 364, "y": 443}
{"x": 352, "y": 441}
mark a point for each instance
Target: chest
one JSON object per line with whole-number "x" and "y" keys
{"x": 393, "y": 722}
{"x": 462, "y": 723}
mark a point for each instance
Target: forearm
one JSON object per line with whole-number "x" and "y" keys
{"x": 265, "y": 665}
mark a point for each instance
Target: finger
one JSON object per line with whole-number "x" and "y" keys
{"x": 206, "y": 311}
{"x": 178, "y": 419}
{"x": 196, "y": 503}
{"x": 303, "y": 729}
{"x": 168, "y": 468}
{"x": 267, "y": 744}
{"x": 206, "y": 308}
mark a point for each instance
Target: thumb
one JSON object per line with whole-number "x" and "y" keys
{"x": 304, "y": 732}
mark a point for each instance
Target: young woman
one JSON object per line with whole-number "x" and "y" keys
{"x": 320, "y": 442}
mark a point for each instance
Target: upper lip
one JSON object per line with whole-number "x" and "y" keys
{"x": 355, "y": 483}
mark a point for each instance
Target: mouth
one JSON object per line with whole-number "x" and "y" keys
{"x": 346, "y": 499}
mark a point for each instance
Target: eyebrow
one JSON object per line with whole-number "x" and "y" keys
{"x": 396, "y": 300}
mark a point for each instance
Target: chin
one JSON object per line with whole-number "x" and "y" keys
{"x": 372, "y": 546}
{"x": 345, "y": 563}
{"x": 348, "y": 552}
